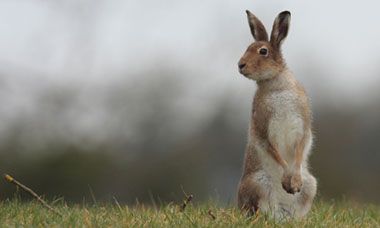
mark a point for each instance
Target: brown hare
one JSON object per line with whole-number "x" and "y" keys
{"x": 275, "y": 176}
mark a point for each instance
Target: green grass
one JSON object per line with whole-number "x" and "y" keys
{"x": 323, "y": 214}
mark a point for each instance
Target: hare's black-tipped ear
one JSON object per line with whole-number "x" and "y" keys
{"x": 257, "y": 28}
{"x": 280, "y": 29}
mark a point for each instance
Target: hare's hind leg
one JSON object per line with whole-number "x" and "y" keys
{"x": 307, "y": 194}
{"x": 253, "y": 190}
{"x": 248, "y": 196}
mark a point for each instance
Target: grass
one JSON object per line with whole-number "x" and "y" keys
{"x": 14, "y": 213}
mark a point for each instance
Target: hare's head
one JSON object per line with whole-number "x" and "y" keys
{"x": 263, "y": 59}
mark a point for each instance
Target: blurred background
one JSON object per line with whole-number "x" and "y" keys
{"x": 139, "y": 99}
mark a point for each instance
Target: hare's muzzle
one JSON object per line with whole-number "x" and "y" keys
{"x": 241, "y": 66}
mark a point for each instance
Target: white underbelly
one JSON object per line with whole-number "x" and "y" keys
{"x": 285, "y": 132}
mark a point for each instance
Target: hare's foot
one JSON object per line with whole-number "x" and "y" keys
{"x": 250, "y": 207}
{"x": 248, "y": 197}
{"x": 292, "y": 182}
{"x": 253, "y": 189}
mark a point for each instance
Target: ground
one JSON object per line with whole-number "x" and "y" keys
{"x": 14, "y": 213}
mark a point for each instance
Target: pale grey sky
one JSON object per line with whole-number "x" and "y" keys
{"x": 92, "y": 44}
{"x": 60, "y": 36}
{"x": 122, "y": 35}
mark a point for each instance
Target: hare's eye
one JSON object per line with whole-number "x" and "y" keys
{"x": 263, "y": 51}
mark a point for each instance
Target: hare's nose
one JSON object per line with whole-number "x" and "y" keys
{"x": 241, "y": 65}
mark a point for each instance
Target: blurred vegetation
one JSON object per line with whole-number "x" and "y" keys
{"x": 141, "y": 142}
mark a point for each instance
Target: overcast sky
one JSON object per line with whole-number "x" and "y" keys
{"x": 92, "y": 43}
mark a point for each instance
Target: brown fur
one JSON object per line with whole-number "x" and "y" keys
{"x": 249, "y": 193}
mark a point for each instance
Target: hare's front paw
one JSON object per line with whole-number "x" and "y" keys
{"x": 292, "y": 182}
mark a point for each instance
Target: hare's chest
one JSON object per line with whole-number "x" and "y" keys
{"x": 285, "y": 126}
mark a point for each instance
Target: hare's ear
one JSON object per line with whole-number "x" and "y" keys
{"x": 257, "y": 28}
{"x": 280, "y": 29}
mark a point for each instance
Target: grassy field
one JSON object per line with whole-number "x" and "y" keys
{"x": 324, "y": 214}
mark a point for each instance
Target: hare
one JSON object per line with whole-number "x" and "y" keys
{"x": 275, "y": 177}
